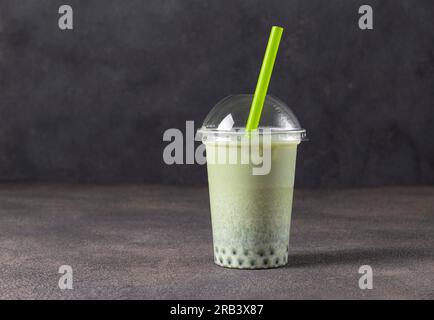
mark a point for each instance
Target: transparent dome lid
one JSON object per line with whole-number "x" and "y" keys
{"x": 229, "y": 117}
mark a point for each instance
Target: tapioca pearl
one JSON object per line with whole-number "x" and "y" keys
{"x": 234, "y": 252}
{"x": 287, "y": 248}
{"x": 261, "y": 253}
{"x": 271, "y": 251}
{"x": 252, "y": 262}
{"x": 223, "y": 251}
{"x": 229, "y": 261}
{"x": 277, "y": 261}
{"x": 246, "y": 252}
{"x": 240, "y": 262}
{"x": 221, "y": 259}
{"x": 284, "y": 259}
{"x": 265, "y": 262}
{"x": 216, "y": 250}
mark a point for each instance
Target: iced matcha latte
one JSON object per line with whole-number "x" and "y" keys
{"x": 251, "y": 206}
{"x": 251, "y": 214}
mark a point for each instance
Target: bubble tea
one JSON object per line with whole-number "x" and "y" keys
{"x": 251, "y": 211}
{"x": 251, "y": 144}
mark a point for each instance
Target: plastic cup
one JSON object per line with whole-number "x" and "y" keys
{"x": 251, "y": 210}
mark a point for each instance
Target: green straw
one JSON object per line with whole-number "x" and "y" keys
{"x": 264, "y": 78}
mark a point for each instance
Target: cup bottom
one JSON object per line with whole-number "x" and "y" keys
{"x": 251, "y": 258}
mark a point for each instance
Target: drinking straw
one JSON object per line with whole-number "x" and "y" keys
{"x": 264, "y": 78}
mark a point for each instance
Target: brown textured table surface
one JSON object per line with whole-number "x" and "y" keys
{"x": 154, "y": 242}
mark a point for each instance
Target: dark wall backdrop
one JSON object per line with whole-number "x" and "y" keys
{"x": 92, "y": 104}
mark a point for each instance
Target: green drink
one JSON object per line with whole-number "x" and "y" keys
{"x": 250, "y": 213}
{"x": 250, "y": 206}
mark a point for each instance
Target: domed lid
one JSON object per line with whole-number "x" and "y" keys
{"x": 229, "y": 117}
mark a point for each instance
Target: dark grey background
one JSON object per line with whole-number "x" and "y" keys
{"x": 91, "y": 105}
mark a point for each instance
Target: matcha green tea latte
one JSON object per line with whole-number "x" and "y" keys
{"x": 250, "y": 213}
{"x": 251, "y": 145}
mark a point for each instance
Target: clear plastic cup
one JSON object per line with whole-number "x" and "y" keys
{"x": 251, "y": 201}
